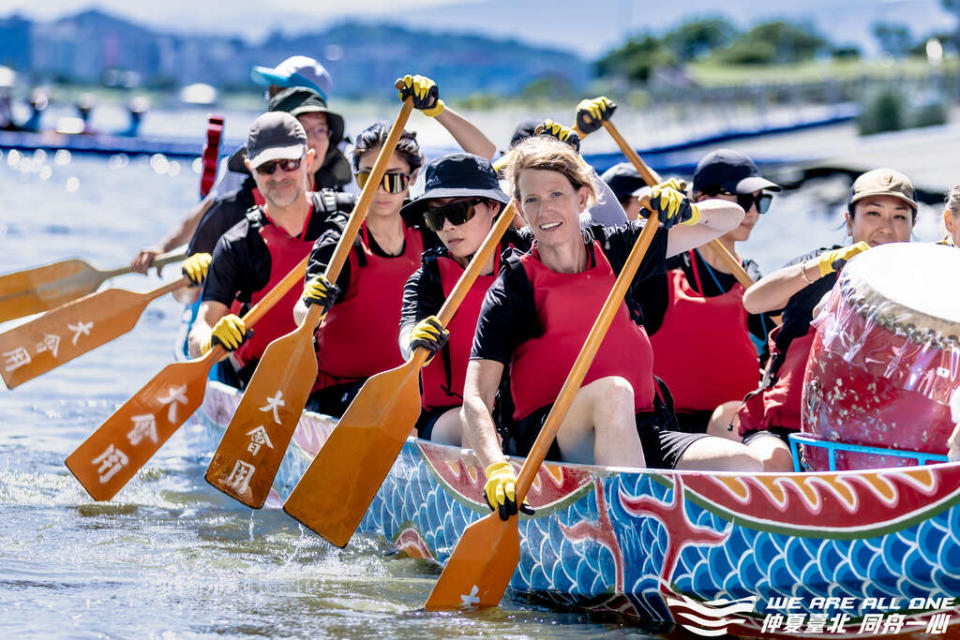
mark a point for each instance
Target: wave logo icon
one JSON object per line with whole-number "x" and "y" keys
{"x": 708, "y": 618}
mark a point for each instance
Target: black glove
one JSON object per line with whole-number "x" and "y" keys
{"x": 320, "y": 291}
{"x": 560, "y": 132}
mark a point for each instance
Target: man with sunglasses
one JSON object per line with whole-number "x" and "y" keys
{"x": 257, "y": 252}
{"x": 705, "y": 344}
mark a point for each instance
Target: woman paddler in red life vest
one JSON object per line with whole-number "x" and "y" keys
{"x": 705, "y": 344}
{"x": 358, "y": 336}
{"x": 259, "y": 251}
{"x": 951, "y": 219}
{"x": 881, "y": 209}
{"x": 461, "y": 200}
{"x": 539, "y": 311}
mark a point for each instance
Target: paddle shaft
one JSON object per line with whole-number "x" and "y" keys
{"x": 342, "y": 250}
{"x": 161, "y": 260}
{"x": 651, "y": 178}
{"x": 584, "y": 359}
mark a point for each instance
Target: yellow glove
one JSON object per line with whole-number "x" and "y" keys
{"x": 672, "y": 207}
{"x": 834, "y": 260}
{"x": 195, "y": 267}
{"x": 560, "y": 132}
{"x": 674, "y": 183}
{"x": 500, "y": 491}
{"x": 320, "y": 291}
{"x": 229, "y": 331}
{"x": 426, "y": 96}
{"x": 592, "y": 113}
{"x": 430, "y": 335}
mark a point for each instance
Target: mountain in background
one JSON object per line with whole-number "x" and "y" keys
{"x": 362, "y": 58}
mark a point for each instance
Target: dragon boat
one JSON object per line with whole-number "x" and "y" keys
{"x": 746, "y": 555}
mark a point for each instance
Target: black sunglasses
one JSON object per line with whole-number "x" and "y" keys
{"x": 268, "y": 168}
{"x": 747, "y": 200}
{"x": 392, "y": 182}
{"x": 457, "y": 212}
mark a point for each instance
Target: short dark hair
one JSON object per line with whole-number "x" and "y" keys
{"x": 374, "y": 137}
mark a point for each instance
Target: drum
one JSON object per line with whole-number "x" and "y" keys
{"x": 886, "y": 357}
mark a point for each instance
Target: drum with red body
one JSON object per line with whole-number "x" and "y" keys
{"x": 886, "y": 357}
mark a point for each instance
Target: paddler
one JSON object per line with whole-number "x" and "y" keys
{"x": 951, "y": 219}
{"x": 358, "y": 336}
{"x": 257, "y": 252}
{"x": 705, "y": 344}
{"x": 881, "y": 209}
{"x": 233, "y": 194}
{"x": 537, "y": 314}
{"x": 461, "y": 200}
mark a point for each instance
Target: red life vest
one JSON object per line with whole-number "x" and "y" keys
{"x": 258, "y": 198}
{"x": 360, "y": 335}
{"x": 443, "y": 387}
{"x": 285, "y": 252}
{"x": 567, "y": 305}
{"x": 703, "y": 349}
{"x": 778, "y": 405}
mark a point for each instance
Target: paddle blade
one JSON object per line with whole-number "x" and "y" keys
{"x": 61, "y": 335}
{"x": 252, "y": 448}
{"x": 342, "y": 480}
{"x": 110, "y": 457}
{"x": 478, "y": 572}
{"x": 30, "y": 291}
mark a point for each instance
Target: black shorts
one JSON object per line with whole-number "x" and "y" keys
{"x": 776, "y": 432}
{"x": 693, "y": 421}
{"x": 334, "y": 400}
{"x": 662, "y": 448}
{"x": 429, "y": 418}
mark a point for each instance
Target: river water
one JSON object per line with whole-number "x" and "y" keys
{"x": 170, "y": 557}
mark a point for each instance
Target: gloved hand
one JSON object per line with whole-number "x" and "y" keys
{"x": 229, "y": 331}
{"x": 831, "y": 261}
{"x": 560, "y": 132}
{"x": 320, "y": 291}
{"x": 672, "y": 207}
{"x": 592, "y": 113}
{"x": 674, "y": 183}
{"x": 195, "y": 267}
{"x": 426, "y": 96}
{"x": 500, "y": 491}
{"x": 430, "y": 335}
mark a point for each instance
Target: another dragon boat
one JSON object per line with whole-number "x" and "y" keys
{"x": 716, "y": 553}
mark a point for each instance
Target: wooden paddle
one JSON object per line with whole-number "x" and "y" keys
{"x": 478, "y": 572}
{"x": 30, "y": 291}
{"x": 278, "y": 391}
{"x": 651, "y": 178}
{"x": 35, "y": 347}
{"x": 110, "y": 457}
{"x": 333, "y": 495}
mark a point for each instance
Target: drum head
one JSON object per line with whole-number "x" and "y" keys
{"x": 911, "y": 288}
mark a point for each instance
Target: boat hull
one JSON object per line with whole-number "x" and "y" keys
{"x": 667, "y": 546}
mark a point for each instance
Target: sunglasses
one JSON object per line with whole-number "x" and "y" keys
{"x": 392, "y": 182}
{"x": 457, "y": 212}
{"x": 268, "y": 168}
{"x": 747, "y": 200}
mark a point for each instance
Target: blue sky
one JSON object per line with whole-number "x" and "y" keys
{"x": 587, "y": 27}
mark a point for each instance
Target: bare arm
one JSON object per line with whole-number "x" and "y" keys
{"x": 773, "y": 291}
{"x": 717, "y": 218}
{"x": 176, "y": 237}
{"x": 467, "y": 135}
{"x": 208, "y": 315}
{"x": 479, "y": 393}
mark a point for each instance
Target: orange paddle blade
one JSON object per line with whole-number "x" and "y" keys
{"x": 30, "y": 291}
{"x": 110, "y": 457}
{"x": 253, "y": 446}
{"x": 479, "y": 571}
{"x": 34, "y": 290}
{"x": 35, "y": 347}
{"x": 342, "y": 480}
